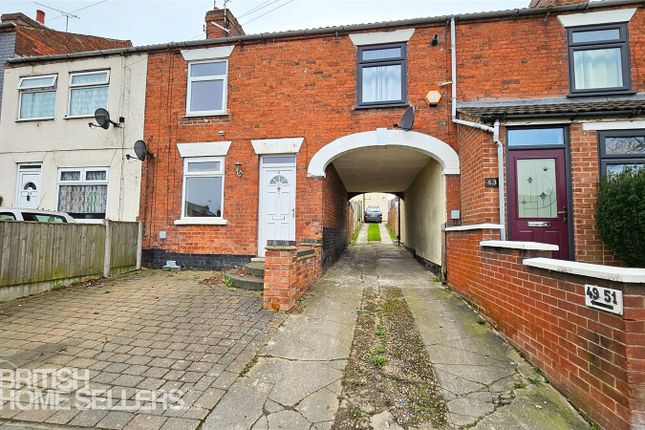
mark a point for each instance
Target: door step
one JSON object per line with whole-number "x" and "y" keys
{"x": 247, "y": 282}
{"x": 255, "y": 268}
{"x": 251, "y": 277}
{"x": 257, "y": 260}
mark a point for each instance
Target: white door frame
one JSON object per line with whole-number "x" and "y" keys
{"x": 292, "y": 165}
{"x": 28, "y": 168}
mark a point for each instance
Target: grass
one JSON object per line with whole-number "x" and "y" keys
{"x": 373, "y": 233}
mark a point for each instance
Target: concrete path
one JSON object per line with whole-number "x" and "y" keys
{"x": 295, "y": 382}
{"x": 385, "y": 234}
{"x": 362, "y": 234}
{"x": 485, "y": 382}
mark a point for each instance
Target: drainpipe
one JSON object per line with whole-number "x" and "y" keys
{"x": 494, "y": 130}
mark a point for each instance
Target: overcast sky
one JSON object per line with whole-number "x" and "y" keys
{"x": 155, "y": 21}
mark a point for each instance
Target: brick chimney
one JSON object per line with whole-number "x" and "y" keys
{"x": 222, "y": 23}
{"x": 553, "y": 3}
{"x": 20, "y": 19}
{"x": 40, "y": 16}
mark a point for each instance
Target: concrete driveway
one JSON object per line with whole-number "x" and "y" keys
{"x": 145, "y": 351}
{"x": 303, "y": 378}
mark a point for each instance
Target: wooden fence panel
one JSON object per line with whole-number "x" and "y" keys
{"x": 40, "y": 252}
{"x": 123, "y": 244}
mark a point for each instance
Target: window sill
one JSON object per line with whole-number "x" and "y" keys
{"x": 381, "y": 106}
{"x": 197, "y": 221}
{"x": 206, "y": 114}
{"x": 78, "y": 117}
{"x": 602, "y": 93}
{"x": 34, "y": 119}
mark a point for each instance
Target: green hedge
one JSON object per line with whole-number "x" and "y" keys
{"x": 620, "y": 215}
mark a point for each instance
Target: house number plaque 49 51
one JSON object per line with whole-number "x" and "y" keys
{"x": 605, "y": 299}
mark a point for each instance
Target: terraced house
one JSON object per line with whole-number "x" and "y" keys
{"x": 51, "y": 159}
{"x": 265, "y": 137}
{"x": 493, "y": 128}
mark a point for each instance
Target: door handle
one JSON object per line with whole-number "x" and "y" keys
{"x": 293, "y": 213}
{"x": 564, "y": 213}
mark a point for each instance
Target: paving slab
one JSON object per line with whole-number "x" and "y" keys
{"x": 295, "y": 382}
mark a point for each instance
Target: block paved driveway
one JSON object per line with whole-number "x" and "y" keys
{"x": 147, "y": 331}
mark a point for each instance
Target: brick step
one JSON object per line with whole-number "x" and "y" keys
{"x": 255, "y": 268}
{"x": 247, "y": 282}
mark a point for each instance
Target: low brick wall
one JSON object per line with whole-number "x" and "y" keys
{"x": 288, "y": 273}
{"x": 595, "y": 358}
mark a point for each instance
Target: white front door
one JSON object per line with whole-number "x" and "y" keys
{"x": 28, "y": 192}
{"x": 277, "y": 200}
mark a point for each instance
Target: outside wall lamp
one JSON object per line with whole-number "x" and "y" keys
{"x": 238, "y": 169}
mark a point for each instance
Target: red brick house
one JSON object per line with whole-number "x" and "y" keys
{"x": 287, "y": 126}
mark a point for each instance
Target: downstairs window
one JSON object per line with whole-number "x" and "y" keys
{"x": 82, "y": 192}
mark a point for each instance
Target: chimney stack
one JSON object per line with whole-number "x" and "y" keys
{"x": 553, "y": 3}
{"x": 222, "y": 23}
{"x": 40, "y": 16}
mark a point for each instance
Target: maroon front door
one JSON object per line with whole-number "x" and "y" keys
{"x": 537, "y": 197}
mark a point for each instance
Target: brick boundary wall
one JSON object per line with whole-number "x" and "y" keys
{"x": 595, "y": 358}
{"x": 289, "y": 272}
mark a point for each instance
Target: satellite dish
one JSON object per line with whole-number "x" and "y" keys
{"x": 141, "y": 151}
{"x": 102, "y": 118}
{"x": 407, "y": 120}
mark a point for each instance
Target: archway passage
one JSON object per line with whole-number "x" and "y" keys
{"x": 408, "y": 164}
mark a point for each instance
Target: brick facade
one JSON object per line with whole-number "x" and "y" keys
{"x": 593, "y": 357}
{"x": 306, "y": 86}
{"x": 314, "y": 98}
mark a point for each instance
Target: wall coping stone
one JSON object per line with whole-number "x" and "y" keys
{"x": 600, "y": 271}
{"x": 513, "y": 244}
{"x": 484, "y": 226}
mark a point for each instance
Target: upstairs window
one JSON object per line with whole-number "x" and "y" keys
{"x": 82, "y": 192}
{"x": 206, "y": 94}
{"x": 37, "y": 97}
{"x": 621, "y": 149}
{"x": 382, "y": 75}
{"x": 88, "y": 91}
{"x": 599, "y": 59}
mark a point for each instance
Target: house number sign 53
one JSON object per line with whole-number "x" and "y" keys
{"x": 605, "y": 299}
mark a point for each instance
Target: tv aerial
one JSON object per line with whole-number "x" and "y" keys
{"x": 407, "y": 120}
{"x": 141, "y": 151}
{"x": 102, "y": 118}
{"x": 67, "y": 15}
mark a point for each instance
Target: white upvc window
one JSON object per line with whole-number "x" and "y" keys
{"x": 207, "y": 87}
{"x": 37, "y": 97}
{"x": 82, "y": 192}
{"x": 88, "y": 91}
{"x": 203, "y": 190}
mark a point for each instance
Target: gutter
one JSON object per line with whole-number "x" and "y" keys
{"x": 630, "y": 113}
{"x": 494, "y": 129}
{"x": 337, "y": 30}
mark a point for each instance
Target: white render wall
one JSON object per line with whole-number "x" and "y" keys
{"x": 65, "y": 142}
{"x": 423, "y": 213}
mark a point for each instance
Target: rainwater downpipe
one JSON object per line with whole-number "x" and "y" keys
{"x": 494, "y": 129}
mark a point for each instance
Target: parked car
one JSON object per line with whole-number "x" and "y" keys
{"x": 17, "y": 214}
{"x": 373, "y": 214}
